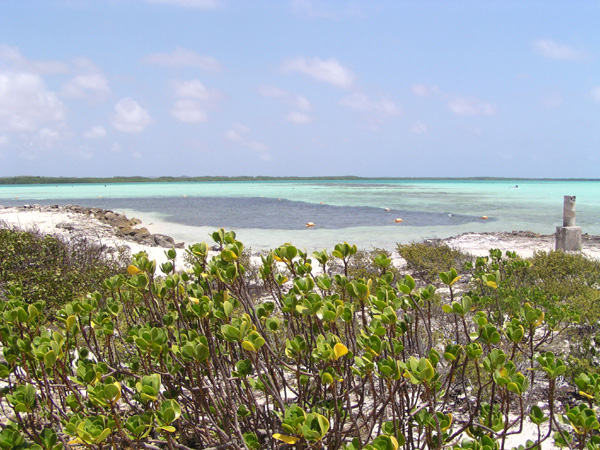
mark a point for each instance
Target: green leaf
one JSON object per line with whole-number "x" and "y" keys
{"x": 50, "y": 358}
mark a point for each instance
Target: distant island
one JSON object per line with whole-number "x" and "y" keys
{"x": 166, "y": 179}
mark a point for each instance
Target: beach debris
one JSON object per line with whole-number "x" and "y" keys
{"x": 398, "y": 220}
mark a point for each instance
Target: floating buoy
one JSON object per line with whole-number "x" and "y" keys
{"x": 99, "y": 196}
{"x": 484, "y": 217}
{"x": 398, "y": 219}
{"x": 386, "y": 209}
{"x": 321, "y": 203}
{"x": 279, "y": 199}
{"x": 310, "y": 224}
{"x": 184, "y": 195}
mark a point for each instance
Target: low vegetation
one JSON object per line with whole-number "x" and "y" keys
{"x": 427, "y": 259}
{"x": 336, "y": 350}
{"x": 50, "y": 269}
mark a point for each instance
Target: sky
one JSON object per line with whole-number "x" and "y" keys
{"x": 372, "y": 88}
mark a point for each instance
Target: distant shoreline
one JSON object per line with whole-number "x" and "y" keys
{"x": 35, "y": 180}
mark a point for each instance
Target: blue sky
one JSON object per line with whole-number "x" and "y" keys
{"x": 300, "y": 88}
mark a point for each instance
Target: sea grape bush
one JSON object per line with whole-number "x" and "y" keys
{"x": 165, "y": 360}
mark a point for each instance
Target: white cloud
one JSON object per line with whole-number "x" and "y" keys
{"x": 89, "y": 82}
{"x": 596, "y": 93}
{"x": 297, "y": 101}
{"x": 181, "y": 57}
{"x": 419, "y": 128}
{"x": 194, "y": 89}
{"x": 26, "y": 103}
{"x": 81, "y": 86}
{"x": 200, "y": 4}
{"x": 470, "y": 107}
{"x": 12, "y": 57}
{"x": 462, "y": 106}
{"x": 302, "y": 103}
{"x": 130, "y": 117}
{"x": 361, "y": 102}
{"x": 49, "y": 135}
{"x": 189, "y": 111}
{"x": 299, "y": 118}
{"x": 554, "y": 50}
{"x": 239, "y": 134}
{"x": 96, "y": 132}
{"x": 422, "y": 90}
{"x": 192, "y": 99}
{"x": 328, "y": 71}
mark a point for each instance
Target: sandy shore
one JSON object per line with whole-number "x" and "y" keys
{"x": 524, "y": 243}
{"x": 67, "y": 223}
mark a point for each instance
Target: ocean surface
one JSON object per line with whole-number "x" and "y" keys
{"x": 266, "y": 214}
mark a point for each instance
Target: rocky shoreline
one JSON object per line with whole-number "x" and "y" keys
{"x": 125, "y": 228}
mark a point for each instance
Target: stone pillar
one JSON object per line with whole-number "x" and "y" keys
{"x": 569, "y": 211}
{"x": 568, "y": 237}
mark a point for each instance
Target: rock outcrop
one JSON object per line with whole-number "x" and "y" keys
{"x": 122, "y": 226}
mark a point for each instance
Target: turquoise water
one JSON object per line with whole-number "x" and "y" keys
{"x": 267, "y": 214}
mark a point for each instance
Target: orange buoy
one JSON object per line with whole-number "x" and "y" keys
{"x": 184, "y": 195}
{"x": 398, "y": 219}
{"x": 386, "y": 209}
{"x": 484, "y": 217}
{"x": 310, "y": 224}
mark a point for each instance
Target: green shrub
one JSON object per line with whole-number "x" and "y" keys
{"x": 372, "y": 264}
{"x": 328, "y": 361}
{"x": 51, "y": 269}
{"x": 572, "y": 278}
{"x": 427, "y": 259}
